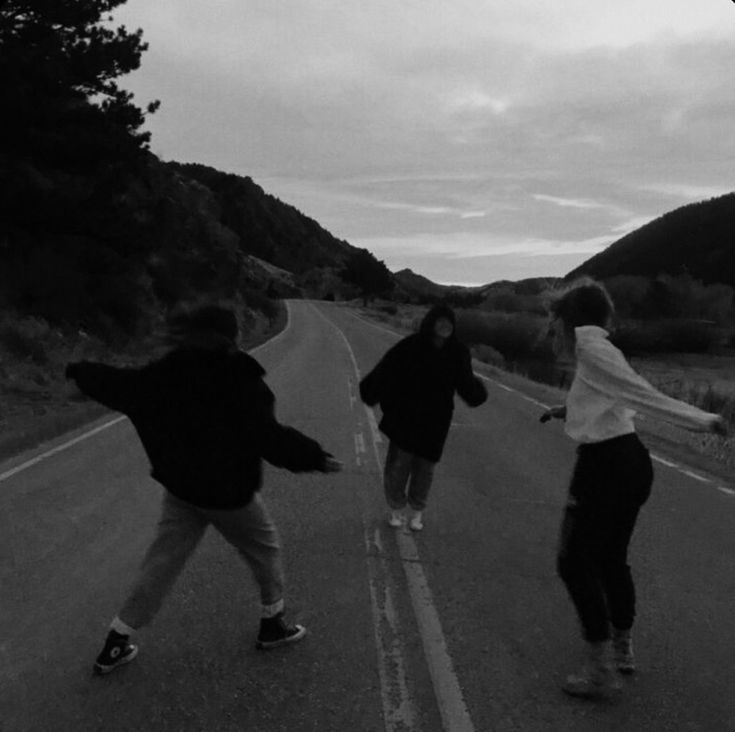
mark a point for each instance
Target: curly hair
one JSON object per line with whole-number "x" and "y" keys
{"x": 583, "y": 302}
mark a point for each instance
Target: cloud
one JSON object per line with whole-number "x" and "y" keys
{"x": 523, "y": 125}
{"x": 569, "y": 202}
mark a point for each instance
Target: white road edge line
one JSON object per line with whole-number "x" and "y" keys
{"x": 59, "y": 448}
{"x": 454, "y": 713}
{"x": 70, "y": 443}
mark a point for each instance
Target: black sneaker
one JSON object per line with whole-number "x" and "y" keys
{"x": 274, "y": 632}
{"x": 117, "y": 651}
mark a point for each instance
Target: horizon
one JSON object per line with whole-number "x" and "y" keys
{"x": 470, "y": 143}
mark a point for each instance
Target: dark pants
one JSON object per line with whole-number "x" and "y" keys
{"x": 407, "y": 478}
{"x": 611, "y": 481}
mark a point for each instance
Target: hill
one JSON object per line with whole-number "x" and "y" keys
{"x": 417, "y": 288}
{"x": 267, "y": 227}
{"x": 694, "y": 240}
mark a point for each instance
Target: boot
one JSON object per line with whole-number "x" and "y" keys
{"x": 623, "y": 658}
{"x": 596, "y": 679}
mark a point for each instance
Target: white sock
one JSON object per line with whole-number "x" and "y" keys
{"x": 119, "y": 627}
{"x": 270, "y": 611}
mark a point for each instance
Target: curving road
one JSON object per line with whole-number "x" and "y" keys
{"x": 463, "y": 627}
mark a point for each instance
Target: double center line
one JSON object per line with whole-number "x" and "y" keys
{"x": 398, "y": 711}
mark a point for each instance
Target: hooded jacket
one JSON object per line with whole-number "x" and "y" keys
{"x": 415, "y": 383}
{"x": 206, "y": 418}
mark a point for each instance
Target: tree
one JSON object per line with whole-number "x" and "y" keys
{"x": 59, "y": 65}
{"x": 368, "y": 274}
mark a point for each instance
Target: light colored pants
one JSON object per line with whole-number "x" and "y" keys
{"x": 181, "y": 527}
{"x": 407, "y": 478}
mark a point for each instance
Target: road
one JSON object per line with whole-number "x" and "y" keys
{"x": 464, "y": 627}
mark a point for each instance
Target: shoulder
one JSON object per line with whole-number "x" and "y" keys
{"x": 246, "y": 365}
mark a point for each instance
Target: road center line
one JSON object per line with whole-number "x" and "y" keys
{"x": 454, "y": 713}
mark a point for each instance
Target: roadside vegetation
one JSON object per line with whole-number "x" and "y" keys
{"x": 36, "y": 401}
{"x": 677, "y": 332}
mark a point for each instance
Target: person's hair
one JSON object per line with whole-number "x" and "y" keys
{"x": 203, "y": 323}
{"x": 583, "y": 302}
{"x": 435, "y": 313}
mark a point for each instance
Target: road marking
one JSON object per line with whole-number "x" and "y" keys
{"x": 59, "y": 448}
{"x": 398, "y": 711}
{"x": 66, "y": 445}
{"x": 668, "y": 463}
{"x": 700, "y": 478}
{"x": 728, "y": 491}
{"x": 454, "y": 713}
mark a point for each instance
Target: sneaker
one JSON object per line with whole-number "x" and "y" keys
{"x": 396, "y": 519}
{"x": 596, "y": 680}
{"x": 416, "y": 523}
{"x": 274, "y": 632}
{"x": 623, "y": 658}
{"x": 117, "y": 651}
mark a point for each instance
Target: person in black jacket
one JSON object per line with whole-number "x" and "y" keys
{"x": 415, "y": 383}
{"x": 206, "y": 418}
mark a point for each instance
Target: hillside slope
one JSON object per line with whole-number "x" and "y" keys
{"x": 697, "y": 239}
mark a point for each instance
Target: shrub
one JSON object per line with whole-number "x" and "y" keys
{"x": 25, "y": 338}
{"x": 665, "y": 336}
{"x": 515, "y": 336}
{"x": 487, "y": 354}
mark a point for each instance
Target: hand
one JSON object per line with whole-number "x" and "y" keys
{"x": 719, "y": 427}
{"x": 558, "y": 412}
{"x": 332, "y": 465}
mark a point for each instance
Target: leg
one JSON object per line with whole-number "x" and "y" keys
{"x": 252, "y": 532}
{"x": 631, "y": 492}
{"x": 422, "y": 476}
{"x": 577, "y": 569}
{"x": 179, "y": 530}
{"x": 581, "y": 529}
{"x": 395, "y": 476}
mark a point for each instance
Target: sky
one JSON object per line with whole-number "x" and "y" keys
{"x": 471, "y": 141}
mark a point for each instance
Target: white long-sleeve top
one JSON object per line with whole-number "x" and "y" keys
{"x": 606, "y": 393}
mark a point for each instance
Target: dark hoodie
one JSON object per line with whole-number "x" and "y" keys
{"x": 205, "y": 418}
{"x": 415, "y": 383}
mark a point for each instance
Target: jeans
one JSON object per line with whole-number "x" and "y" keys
{"x": 611, "y": 481}
{"x": 406, "y": 478}
{"x": 180, "y": 529}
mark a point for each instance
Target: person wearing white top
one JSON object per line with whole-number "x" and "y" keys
{"x": 611, "y": 481}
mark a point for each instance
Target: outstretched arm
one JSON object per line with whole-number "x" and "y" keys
{"x": 470, "y": 389}
{"x": 111, "y": 386}
{"x": 286, "y": 447}
{"x": 608, "y": 373}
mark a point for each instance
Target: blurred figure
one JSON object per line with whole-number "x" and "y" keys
{"x": 415, "y": 383}
{"x": 611, "y": 481}
{"x": 206, "y": 420}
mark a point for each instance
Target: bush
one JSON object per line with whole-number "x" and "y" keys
{"x": 665, "y": 336}
{"x": 25, "y": 338}
{"x": 515, "y": 336}
{"x": 487, "y": 354}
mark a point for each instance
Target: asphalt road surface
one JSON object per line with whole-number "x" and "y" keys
{"x": 462, "y": 627}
